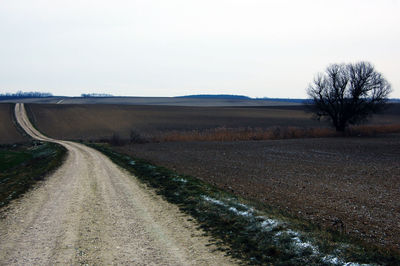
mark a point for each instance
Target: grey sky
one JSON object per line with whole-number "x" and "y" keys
{"x": 178, "y": 47}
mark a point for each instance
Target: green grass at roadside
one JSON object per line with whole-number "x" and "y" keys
{"x": 253, "y": 233}
{"x": 22, "y": 165}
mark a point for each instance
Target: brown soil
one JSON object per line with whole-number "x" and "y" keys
{"x": 349, "y": 184}
{"x": 8, "y": 132}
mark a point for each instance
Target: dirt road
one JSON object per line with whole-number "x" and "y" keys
{"x": 92, "y": 212}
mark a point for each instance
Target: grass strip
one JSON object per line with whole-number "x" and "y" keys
{"x": 22, "y": 165}
{"x": 255, "y": 236}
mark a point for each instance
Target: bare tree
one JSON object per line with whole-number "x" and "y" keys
{"x": 347, "y": 94}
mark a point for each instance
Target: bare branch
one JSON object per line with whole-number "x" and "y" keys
{"x": 348, "y": 94}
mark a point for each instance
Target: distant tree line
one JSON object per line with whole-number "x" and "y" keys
{"x": 21, "y": 94}
{"x": 241, "y": 97}
{"x": 216, "y": 96}
{"x": 286, "y": 100}
{"x": 89, "y": 95}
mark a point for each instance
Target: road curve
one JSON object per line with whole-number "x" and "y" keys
{"x": 90, "y": 211}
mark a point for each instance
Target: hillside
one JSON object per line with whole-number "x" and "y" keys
{"x": 8, "y": 132}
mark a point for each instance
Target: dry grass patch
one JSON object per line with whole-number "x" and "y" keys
{"x": 373, "y": 130}
{"x": 242, "y": 134}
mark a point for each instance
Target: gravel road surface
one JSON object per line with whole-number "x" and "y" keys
{"x": 92, "y": 212}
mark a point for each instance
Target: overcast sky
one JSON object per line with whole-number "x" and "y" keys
{"x": 171, "y": 47}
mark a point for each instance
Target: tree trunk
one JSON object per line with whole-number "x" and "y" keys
{"x": 340, "y": 128}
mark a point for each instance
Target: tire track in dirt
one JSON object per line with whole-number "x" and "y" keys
{"x": 90, "y": 211}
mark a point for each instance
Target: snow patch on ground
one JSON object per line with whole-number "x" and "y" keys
{"x": 266, "y": 223}
{"x": 244, "y": 206}
{"x": 215, "y": 201}
{"x": 180, "y": 180}
{"x": 241, "y": 213}
{"x": 269, "y": 224}
{"x": 289, "y": 232}
{"x": 304, "y": 245}
{"x": 334, "y": 260}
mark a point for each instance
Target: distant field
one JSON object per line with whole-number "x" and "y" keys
{"x": 346, "y": 184}
{"x": 210, "y": 102}
{"x": 8, "y": 132}
{"x": 93, "y": 122}
{"x": 101, "y": 121}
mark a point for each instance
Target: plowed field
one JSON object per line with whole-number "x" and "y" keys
{"x": 347, "y": 184}
{"x": 8, "y": 132}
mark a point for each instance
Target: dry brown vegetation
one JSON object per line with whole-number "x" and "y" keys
{"x": 238, "y": 134}
{"x": 8, "y": 132}
{"x": 241, "y": 134}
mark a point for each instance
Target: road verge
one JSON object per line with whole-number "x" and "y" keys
{"x": 23, "y": 165}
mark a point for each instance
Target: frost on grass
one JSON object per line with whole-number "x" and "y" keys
{"x": 181, "y": 180}
{"x": 265, "y": 223}
{"x": 215, "y": 201}
{"x": 300, "y": 245}
{"x": 288, "y": 232}
{"x": 296, "y": 239}
{"x": 334, "y": 260}
{"x": 241, "y": 213}
{"x": 268, "y": 224}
